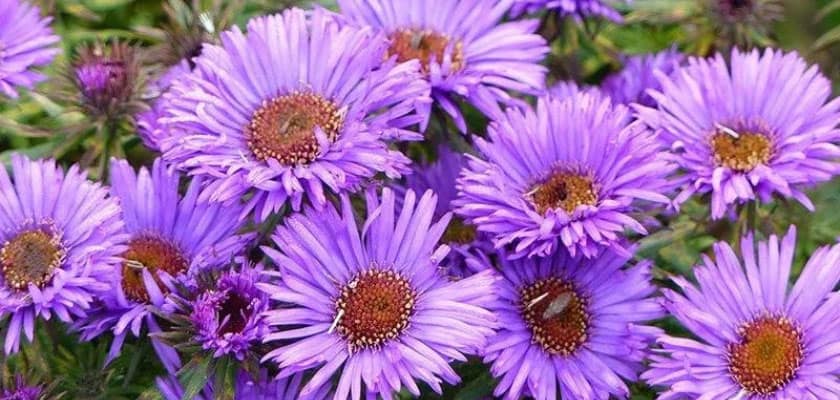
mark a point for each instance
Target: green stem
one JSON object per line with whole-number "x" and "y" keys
{"x": 752, "y": 216}
{"x": 132, "y": 366}
{"x": 109, "y": 131}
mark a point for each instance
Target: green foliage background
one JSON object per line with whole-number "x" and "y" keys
{"x": 38, "y": 125}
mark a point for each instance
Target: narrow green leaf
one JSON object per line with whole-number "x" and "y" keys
{"x": 194, "y": 376}
{"x": 827, "y": 39}
{"x": 827, "y": 9}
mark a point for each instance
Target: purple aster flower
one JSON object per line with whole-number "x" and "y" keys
{"x": 750, "y": 129}
{"x": 172, "y": 234}
{"x": 369, "y": 304}
{"x": 26, "y": 41}
{"x": 755, "y": 336}
{"x": 20, "y": 390}
{"x": 572, "y": 328}
{"x": 568, "y": 174}
{"x": 463, "y": 47}
{"x": 223, "y": 313}
{"x": 463, "y": 238}
{"x": 312, "y": 112}
{"x": 578, "y": 9}
{"x": 60, "y": 240}
{"x": 631, "y": 84}
{"x": 149, "y": 127}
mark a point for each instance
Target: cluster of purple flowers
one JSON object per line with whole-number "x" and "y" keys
{"x": 285, "y": 228}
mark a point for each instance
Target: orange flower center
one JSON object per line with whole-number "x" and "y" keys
{"x": 30, "y": 258}
{"x": 154, "y": 254}
{"x": 284, "y": 127}
{"x": 373, "y": 308}
{"x": 556, "y": 314}
{"x": 742, "y": 153}
{"x": 563, "y": 190}
{"x": 424, "y": 45}
{"x": 768, "y": 356}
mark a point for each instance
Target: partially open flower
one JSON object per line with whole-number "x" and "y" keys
{"x": 742, "y": 21}
{"x": 221, "y": 313}
{"x": 107, "y": 79}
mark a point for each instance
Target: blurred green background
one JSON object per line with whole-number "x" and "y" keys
{"x": 39, "y": 125}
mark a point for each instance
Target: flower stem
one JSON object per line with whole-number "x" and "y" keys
{"x": 752, "y": 216}
{"x": 109, "y": 131}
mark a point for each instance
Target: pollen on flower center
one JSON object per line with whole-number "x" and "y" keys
{"x": 151, "y": 252}
{"x": 236, "y": 309}
{"x": 768, "y": 356}
{"x": 30, "y": 258}
{"x": 373, "y": 308}
{"x": 563, "y": 190}
{"x": 459, "y": 232}
{"x": 741, "y": 153}
{"x": 284, "y": 128}
{"x": 557, "y": 315}
{"x": 424, "y": 45}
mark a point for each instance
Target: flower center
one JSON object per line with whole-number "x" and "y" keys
{"x": 155, "y": 254}
{"x": 236, "y": 308}
{"x": 426, "y": 46}
{"x": 30, "y": 258}
{"x": 563, "y": 190}
{"x": 459, "y": 232}
{"x": 556, "y": 314}
{"x": 741, "y": 153}
{"x": 284, "y": 127}
{"x": 374, "y": 308}
{"x": 768, "y": 355}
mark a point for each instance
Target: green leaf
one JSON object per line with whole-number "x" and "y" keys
{"x": 225, "y": 374}
{"x": 827, "y": 39}
{"x": 194, "y": 376}
{"x": 479, "y": 388}
{"x": 827, "y": 9}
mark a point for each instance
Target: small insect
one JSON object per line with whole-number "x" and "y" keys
{"x": 416, "y": 40}
{"x": 336, "y": 321}
{"x": 740, "y": 395}
{"x": 206, "y": 22}
{"x": 561, "y": 192}
{"x": 727, "y": 130}
{"x": 536, "y": 300}
{"x": 557, "y": 305}
{"x": 134, "y": 264}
